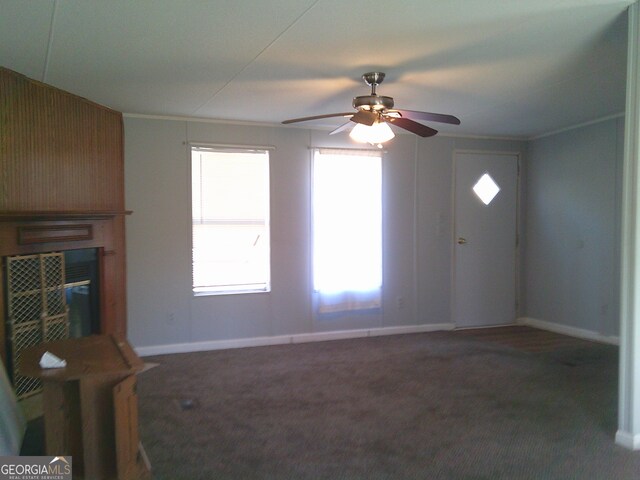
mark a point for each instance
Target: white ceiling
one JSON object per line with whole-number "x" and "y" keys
{"x": 504, "y": 67}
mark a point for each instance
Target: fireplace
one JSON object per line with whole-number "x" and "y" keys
{"x": 71, "y": 280}
{"x": 62, "y": 190}
{"x": 49, "y": 296}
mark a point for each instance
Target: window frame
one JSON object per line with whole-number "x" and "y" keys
{"x": 207, "y": 291}
{"x": 357, "y": 301}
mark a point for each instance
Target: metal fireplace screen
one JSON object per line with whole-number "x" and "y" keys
{"x": 37, "y": 308}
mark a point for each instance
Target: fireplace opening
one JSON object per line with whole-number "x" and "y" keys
{"x": 49, "y": 296}
{"x": 81, "y": 291}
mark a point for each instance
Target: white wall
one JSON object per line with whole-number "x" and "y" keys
{"x": 417, "y": 179}
{"x": 571, "y": 266}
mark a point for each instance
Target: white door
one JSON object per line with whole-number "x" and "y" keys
{"x": 486, "y": 189}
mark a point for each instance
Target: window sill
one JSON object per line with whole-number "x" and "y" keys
{"x": 229, "y": 292}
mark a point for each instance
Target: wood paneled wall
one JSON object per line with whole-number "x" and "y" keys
{"x": 57, "y": 151}
{"x": 62, "y": 184}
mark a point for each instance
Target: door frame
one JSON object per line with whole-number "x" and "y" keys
{"x": 519, "y": 203}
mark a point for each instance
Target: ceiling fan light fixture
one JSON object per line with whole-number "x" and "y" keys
{"x": 375, "y": 134}
{"x": 373, "y": 111}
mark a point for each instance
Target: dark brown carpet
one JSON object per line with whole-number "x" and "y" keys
{"x": 426, "y": 406}
{"x": 525, "y": 338}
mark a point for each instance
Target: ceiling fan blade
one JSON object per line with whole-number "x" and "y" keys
{"x": 365, "y": 117}
{"x": 341, "y": 128}
{"x": 433, "y": 117}
{"x": 413, "y": 127}
{"x": 316, "y": 117}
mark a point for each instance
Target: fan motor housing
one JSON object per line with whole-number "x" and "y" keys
{"x": 373, "y": 102}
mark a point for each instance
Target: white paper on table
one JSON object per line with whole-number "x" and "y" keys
{"x": 49, "y": 360}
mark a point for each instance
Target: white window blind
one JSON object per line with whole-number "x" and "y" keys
{"x": 230, "y": 212}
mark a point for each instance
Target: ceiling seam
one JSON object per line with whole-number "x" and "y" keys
{"x": 45, "y": 69}
{"x": 509, "y": 101}
{"x": 514, "y": 98}
{"x": 293, "y": 23}
{"x": 576, "y": 126}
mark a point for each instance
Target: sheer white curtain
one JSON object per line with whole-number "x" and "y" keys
{"x": 347, "y": 229}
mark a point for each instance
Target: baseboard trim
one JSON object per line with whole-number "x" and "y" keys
{"x": 628, "y": 440}
{"x": 288, "y": 339}
{"x": 567, "y": 330}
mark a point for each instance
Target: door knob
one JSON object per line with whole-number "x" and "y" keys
{"x": 462, "y": 241}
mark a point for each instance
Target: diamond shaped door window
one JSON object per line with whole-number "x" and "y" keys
{"x": 486, "y": 189}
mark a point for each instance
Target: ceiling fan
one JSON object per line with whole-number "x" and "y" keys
{"x": 376, "y": 112}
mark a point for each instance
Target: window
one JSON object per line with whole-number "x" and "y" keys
{"x": 486, "y": 188}
{"x": 230, "y": 211}
{"x": 347, "y": 229}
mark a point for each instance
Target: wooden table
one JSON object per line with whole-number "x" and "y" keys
{"x": 90, "y": 406}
